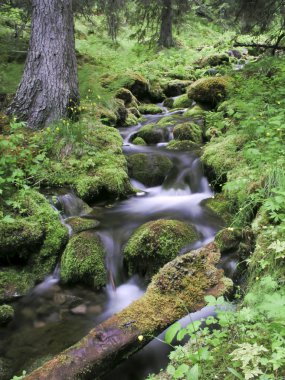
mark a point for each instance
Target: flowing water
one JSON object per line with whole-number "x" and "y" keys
{"x": 53, "y": 317}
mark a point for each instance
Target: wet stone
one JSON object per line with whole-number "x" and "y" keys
{"x": 81, "y": 309}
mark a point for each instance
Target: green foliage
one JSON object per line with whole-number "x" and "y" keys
{"x": 245, "y": 343}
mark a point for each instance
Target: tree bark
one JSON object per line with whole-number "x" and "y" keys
{"x": 49, "y": 87}
{"x": 178, "y": 287}
{"x": 166, "y": 36}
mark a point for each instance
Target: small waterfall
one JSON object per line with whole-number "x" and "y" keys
{"x": 71, "y": 205}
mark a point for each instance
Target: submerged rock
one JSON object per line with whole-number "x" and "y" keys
{"x": 149, "y": 169}
{"x": 156, "y": 243}
{"x": 83, "y": 261}
{"x": 209, "y": 91}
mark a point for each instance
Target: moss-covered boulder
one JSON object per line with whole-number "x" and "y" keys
{"x": 19, "y": 239}
{"x": 139, "y": 141}
{"x": 149, "y": 109}
{"x": 185, "y": 146}
{"x": 96, "y": 170}
{"x": 240, "y": 241}
{"x": 215, "y": 60}
{"x": 209, "y": 91}
{"x": 15, "y": 282}
{"x": 6, "y": 314}
{"x": 138, "y": 85}
{"x": 188, "y": 131}
{"x": 130, "y": 120}
{"x": 149, "y": 169}
{"x": 182, "y": 102}
{"x": 168, "y": 103}
{"x": 155, "y": 243}
{"x": 195, "y": 112}
{"x": 221, "y": 206}
{"x": 35, "y": 237}
{"x": 127, "y": 97}
{"x": 82, "y": 224}
{"x": 153, "y": 133}
{"x": 176, "y": 87}
{"x": 83, "y": 261}
{"x": 156, "y": 94}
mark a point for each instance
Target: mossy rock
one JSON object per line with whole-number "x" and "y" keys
{"x": 127, "y": 97}
{"x": 149, "y": 109}
{"x": 236, "y": 240}
{"x": 176, "y": 87}
{"x": 188, "y": 131}
{"x": 6, "y": 314}
{"x": 195, "y": 112}
{"x": 19, "y": 239}
{"x": 156, "y": 243}
{"x": 215, "y": 60}
{"x": 149, "y": 169}
{"x": 121, "y": 112}
{"x": 156, "y": 94}
{"x": 108, "y": 117}
{"x": 221, "y": 156}
{"x": 83, "y": 261}
{"x": 182, "y": 102}
{"x": 82, "y": 224}
{"x": 15, "y": 283}
{"x": 139, "y": 141}
{"x": 153, "y": 133}
{"x": 185, "y": 146}
{"x": 138, "y": 85}
{"x": 130, "y": 120}
{"x": 168, "y": 103}
{"x": 36, "y": 237}
{"x": 221, "y": 206}
{"x": 209, "y": 91}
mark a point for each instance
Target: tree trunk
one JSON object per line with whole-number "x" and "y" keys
{"x": 180, "y": 286}
{"x": 49, "y": 87}
{"x": 166, "y": 37}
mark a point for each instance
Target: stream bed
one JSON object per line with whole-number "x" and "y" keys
{"x": 53, "y": 317}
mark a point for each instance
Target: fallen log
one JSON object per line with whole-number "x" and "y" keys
{"x": 178, "y": 288}
{"x": 264, "y": 46}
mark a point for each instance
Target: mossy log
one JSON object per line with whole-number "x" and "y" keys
{"x": 180, "y": 285}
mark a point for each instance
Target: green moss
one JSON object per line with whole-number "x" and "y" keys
{"x": 188, "y": 131}
{"x": 82, "y": 224}
{"x": 149, "y": 109}
{"x": 222, "y": 156}
{"x": 182, "y": 102}
{"x": 127, "y": 97}
{"x": 195, "y": 112}
{"x": 209, "y": 91}
{"x": 131, "y": 120}
{"x": 185, "y": 146}
{"x": 168, "y": 103}
{"x": 221, "y": 206}
{"x": 149, "y": 169}
{"x": 176, "y": 87}
{"x": 19, "y": 239}
{"x": 236, "y": 240}
{"x": 83, "y": 261}
{"x": 179, "y": 285}
{"x": 36, "y": 236}
{"x": 6, "y": 314}
{"x": 139, "y": 141}
{"x": 215, "y": 60}
{"x": 14, "y": 283}
{"x": 155, "y": 243}
{"x": 153, "y": 133}
{"x": 94, "y": 167}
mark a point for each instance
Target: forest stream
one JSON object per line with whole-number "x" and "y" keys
{"x": 53, "y": 317}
